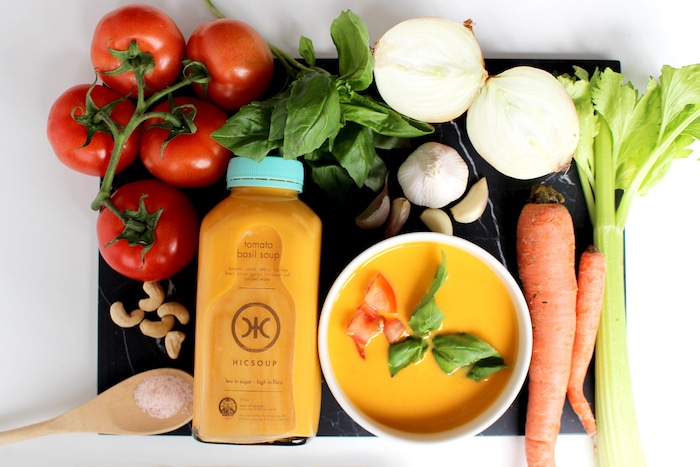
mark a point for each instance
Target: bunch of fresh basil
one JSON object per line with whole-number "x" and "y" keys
{"x": 323, "y": 118}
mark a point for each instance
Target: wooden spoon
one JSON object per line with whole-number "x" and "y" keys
{"x": 112, "y": 412}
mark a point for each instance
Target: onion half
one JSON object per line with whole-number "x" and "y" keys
{"x": 429, "y": 68}
{"x": 524, "y": 123}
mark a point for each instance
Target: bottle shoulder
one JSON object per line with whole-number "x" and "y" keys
{"x": 239, "y": 209}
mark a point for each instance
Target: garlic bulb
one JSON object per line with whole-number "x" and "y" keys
{"x": 524, "y": 123}
{"x": 433, "y": 175}
{"x": 429, "y": 68}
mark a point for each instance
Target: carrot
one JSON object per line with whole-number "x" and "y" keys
{"x": 589, "y": 304}
{"x": 545, "y": 249}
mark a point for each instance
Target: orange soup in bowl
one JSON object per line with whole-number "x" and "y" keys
{"x": 421, "y": 401}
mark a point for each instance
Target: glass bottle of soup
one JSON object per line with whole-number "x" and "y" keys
{"x": 257, "y": 376}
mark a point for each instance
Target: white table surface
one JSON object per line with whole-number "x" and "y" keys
{"x": 48, "y": 267}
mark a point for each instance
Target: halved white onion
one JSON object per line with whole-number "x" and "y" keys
{"x": 429, "y": 68}
{"x": 524, "y": 123}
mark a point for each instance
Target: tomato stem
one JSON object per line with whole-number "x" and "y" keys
{"x": 289, "y": 63}
{"x": 214, "y": 9}
{"x": 141, "y": 114}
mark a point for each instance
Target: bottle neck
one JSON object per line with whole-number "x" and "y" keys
{"x": 271, "y": 192}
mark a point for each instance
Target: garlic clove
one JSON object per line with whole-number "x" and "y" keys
{"x": 429, "y": 68}
{"x": 400, "y": 209}
{"x": 437, "y": 220}
{"x": 472, "y": 206}
{"x": 377, "y": 212}
{"x": 433, "y": 175}
{"x": 524, "y": 123}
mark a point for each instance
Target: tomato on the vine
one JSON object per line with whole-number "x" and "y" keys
{"x": 155, "y": 33}
{"x": 164, "y": 232}
{"x": 178, "y": 156}
{"x": 69, "y": 137}
{"x": 238, "y": 59}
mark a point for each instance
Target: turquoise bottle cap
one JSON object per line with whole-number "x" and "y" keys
{"x": 272, "y": 171}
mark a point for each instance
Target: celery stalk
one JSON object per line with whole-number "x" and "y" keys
{"x": 627, "y": 143}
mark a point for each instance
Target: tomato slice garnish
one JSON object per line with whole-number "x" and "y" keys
{"x": 362, "y": 328}
{"x": 380, "y": 296}
{"x": 369, "y": 321}
{"x": 395, "y": 330}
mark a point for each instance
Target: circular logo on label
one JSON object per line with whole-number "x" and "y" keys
{"x": 228, "y": 407}
{"x": 255, "y": 327}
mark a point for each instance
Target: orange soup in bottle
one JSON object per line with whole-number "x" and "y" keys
{"x": 257, "y": 375}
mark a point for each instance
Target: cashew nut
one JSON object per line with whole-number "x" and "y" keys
{"x": 173, "y": 343}
{"x": 175, "y": 309}
{"x": 156, "y": 295}
{"x": 126, "y": 320}
{"x": 159, "y": 328}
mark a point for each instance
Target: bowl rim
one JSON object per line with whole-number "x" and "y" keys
{"x": 520, "y": 367}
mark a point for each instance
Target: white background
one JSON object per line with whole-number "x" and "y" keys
{"x": 48, "y": 267}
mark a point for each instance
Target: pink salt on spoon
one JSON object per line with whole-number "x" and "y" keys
{"x": 149, "y": 403}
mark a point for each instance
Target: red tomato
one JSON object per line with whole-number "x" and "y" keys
{"x": 380, "y": 296}
{"x": 68, "y": 137}
{"x": 395, "y": 330}
{"x": 238, "y": 59}
{"x": 362, "y": 328}
{"x": 175, "y": 237}
{"x": 188, "y": 160}
{"x": 156, "y": 34}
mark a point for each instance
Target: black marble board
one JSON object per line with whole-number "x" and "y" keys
{"x": 124, "y": 352}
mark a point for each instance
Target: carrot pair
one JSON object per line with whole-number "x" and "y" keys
{"x": 564, "y": 311}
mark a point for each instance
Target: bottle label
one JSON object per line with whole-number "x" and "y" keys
{"x": 256, "y": 388}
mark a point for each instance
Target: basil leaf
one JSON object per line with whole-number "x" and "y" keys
{"x": 405, "y": 352}
{"x": 459, "y": 350}
{"x": 307, "y": 51}
{"x": 380, "y": 117}
{"x": 328, "y": 174}
{"x": 246, "y": 133}
{"x": 313, "y": 114}
{"x": 390, "y": 142}
{"x": 278, "y": 117}
{"x": 377, "y": 175}
{"x": 440, "y": 276}
{"x": 353, "y": 147}
{"x": 485, "y": 368}
{"x": 427, "y": 317}
{"x": 355, "y": 61}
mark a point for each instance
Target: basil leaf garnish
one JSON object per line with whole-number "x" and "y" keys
{"x": 428, "y": 317}
{"x": 463, "y": 350}
{"x": 403, "y": 353}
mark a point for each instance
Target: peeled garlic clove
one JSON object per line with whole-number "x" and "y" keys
{"x": 472, "y": 206}
{"x": 524, "y": 123}
{"x": 429, "y": 68}
{"x": 377, "y": 212}
{"x": 433, "y": 175}
{"x": 437, "y": 220}
{"x": 400, "y": 209}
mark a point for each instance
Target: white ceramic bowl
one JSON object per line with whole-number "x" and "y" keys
{"x": 521, "y": 348}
